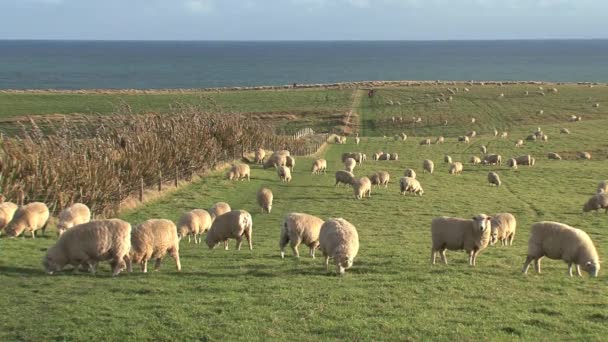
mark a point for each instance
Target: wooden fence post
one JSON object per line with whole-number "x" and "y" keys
{"x": 160, "y": 181}
{"x": 176, "y": 176}
{"x": 141, "y": 189}
{"x": 119, "y": 195}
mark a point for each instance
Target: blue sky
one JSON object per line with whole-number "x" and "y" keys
{"x": 302, "y": 19}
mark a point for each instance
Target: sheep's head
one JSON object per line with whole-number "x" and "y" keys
{"x": 182, "y": 231}
{"x": 482, "y": 223}
{"x": 62, "y": 227}
{"x": 230, "y": 175}
{"x": 14, "y": 229}
{"x": 53, "y": 262}
{"x": 343, "y": 262}
{"x": 592, "y": 267}
{"x": 211, "y": 243}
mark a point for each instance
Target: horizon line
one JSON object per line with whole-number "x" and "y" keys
{"x": 296, "y": 40}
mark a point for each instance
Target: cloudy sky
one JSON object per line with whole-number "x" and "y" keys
{"x": 302, "y": 19}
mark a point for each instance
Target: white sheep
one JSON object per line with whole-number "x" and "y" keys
{"x": 596, "y": 202}
{"x": 218, "y": 209}
{"x": 344, "y": 177}
{"x": 428, "y": 166}
{"x": 411, "y": 185}
{"x": 300, "y": 229}
{"x": 349, "y": 164}
{"x": 471, "y": 134}
{"x": 531, "y": 137}
{"x": 88, "y": 244}
{"x": 7, "y": 211}
{"x": 362, "y": 187}
{"x": 440, "y": 140}
{"x": 409, "y": 173}
{"x": 153, "y": 239}
{"x": 235, "y": 224}
{"x": 284, "y": 174}
{"x": 464, "y": 139}
{"x": 475, "y": 160}
{"x": 494, "y": 179}
{"x": 519, "y": 143}
{"x": 483, "y": 149}
{"x": 492, "y": 159}
{"x": 394, "y": 156}
{"x": 193, "y": 224}
{"x": 73, "y": 215}
{"x": 447, "y": 159}
{"x": 504, "y": 135}
{"x": 260, "y": 154}
{"x": 319, "y": 165}
{"x": 425, "y": 142}
{"x": 561, "y": 242}
{"x": 584, "y": 155}
{"x": 239, "y": 172}
{"x": 339, "y": 240}
{"x": 276, "y": 160}
{"x": 264, "y": 198}
{"x": 602, "y": 187}
{"x": 357, "y": 140}
{"x": 512, "y": 163}
{"x": 380, "y": 178}
{"x": 455, "y": 168}
{"x": 452, "y": 233}
{"x": 554, "y": 156}
{"x": 28, "y": 219}
{"x": 544, "y": 137}
{"x": 525, "y": 160}
{"x": 503, "y": 229}
{"x": 564, "y": 131}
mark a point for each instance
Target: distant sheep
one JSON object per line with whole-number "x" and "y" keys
{"x": 559, "y": 241}
{"x": 153, "y": 239}
{"x": 275, "y": 160}
{"x": 440, "y": 140}
{"x": 564, "y": 131}
{"x": 193, "y": 224}
{"x": 475, "y": 160}
{"x": 28, "y": 219}
{"x": 235, "y": 224}
{"x": 73, "y": 215}
{"x": 455, "y": 168}
{"x": 339, "y": 240}
{"x": 284, "y": 174}
{"x": 596, "y": 105}
{"x": 300, "y": 229}
{"x": 394, "y": 156}
{"x": 349, "y": 164}
{"x": 525, "y": 160}
{"x": 494, "y": 179}
{"x": 264, "y": 198}
{"x": 584, "y": 155}
{"x": 409, "y": 173}
{"x": 447, "y": 159}
{"x": 602, "y": 187}
{"x": 385, "y": 156}
{"x": 512, "y": 163}
{"x": 411, "y": 185}
{"x": 380, "y": 178}
{"x": 428, "y": 166}
{"x": 504, "y": 135}
{"x": 483, "y": 149}
{"x": 554, "y": 156}
{"x": 357, "y": 156}
{"x": 531, "y": 137}
{"x": 260, "y": 154}
{"x": 344, "y": 177}
{"x": 218, "y": 209}
{"x": 471, "y": 134}
{"x": 519, "y": 143}
{"x": 451, "y": 233}
{"x": 503, "y": 229}
{"x": 7, "y": 211}
{"x": 464, "y": 139}
{"x": 362, "y": 187}
{"x": 544, "y": 137}
{"x": 239, "y": 172}
{"x": 492, "y": 159}
{"x": 425, "y": 142}
{"x": 596, "y": 202}
{"x": 495, "y": 132}
{"x": 319, "y": 165}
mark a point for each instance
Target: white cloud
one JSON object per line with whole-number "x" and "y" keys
{"x": 200, "y": 6}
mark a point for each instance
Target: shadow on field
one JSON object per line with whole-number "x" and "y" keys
{"x": 20, "y": 271}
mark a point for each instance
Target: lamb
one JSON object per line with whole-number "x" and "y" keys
{"x": 290, "y": 162}
{"x": 239, "y": 172}
{"x": 231, "y": 225}
{"x": 194, "y": 224}
{"x": 218, "y": 209}
{"x": 349, "y": 164}
{"x": 260, "y": 154}
{"x": 503, "y": 229}
{"x": 7, "y": 211}
{"x": 440, "y": 140}
{"x": 28, "y": 219}
{"x": 455, "y": 168}
{"x": 519, "y": 143}
{"x": 394, "y": 156}
{"x": 377, "y": 155}
{"x": 492, "y": 159}
{"x": 339, "y": 240}
{"x": 475, "y": 160}
{"x": 447, "y": 159}
{"x": 90, "y": 243}
{"x": 596, "y": 105}
{"x": 451, "y": 233}
{"x": 425, "y": 142}
{"x": 284, "y": 174}
{"x": 411, "y": 185}
{"x": 275, "y": 160}
{"x": 473, "y": 120}
{"x": 504, "y": 135}
{"x": 344, "y": 177}
{"x": 525, "y": 160}
{"x": 403, "y": 136}
{"x": 483, "y": 149}
{"x": 512, "y": 163}
{"x": 564, "y": 131}
{"x": 464, "y": 139}
{"x": 584, "y": 155}
{"x": 428, "y": 166}
{"x": 544, "y": 137}
{"x": 495, "y": 132}
{"x": 494, "y": 179}
{"x": 153, "y": 239}
{"x": 297, "y": 229}
{"x": 602, "y": 187}
{"x": 73, "y": 215}
{"x": 380, "y": 178}
{"x": 554, "y": 156}
{"x": 320, "y": 165}
{"x": 409, "y": 173}
{"x": 559, "y": 241}
{"x": 264, "y": 198}
{"x": 596, "y": 202}
{"x": 362, "y": 187}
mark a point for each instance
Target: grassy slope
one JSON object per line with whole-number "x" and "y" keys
{"x": 391, "y": 293}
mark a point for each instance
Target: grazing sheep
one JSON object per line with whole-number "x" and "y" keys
{"x": 597, "y": 105}
{"x": 320, "y": 165}
{"x": 503, "y": 229}
{"x": 540, "y": 112}
{"x": 440, "y": 140}
{"x": 409, "y": 173}
{"x": 447, "y": 159}
{"x": 596, "y": 202}
{"x": 218, "y": 209}
{"x": 193, "y": 224}
{"x": 475, "y": 160}
{"x": 380, "y": 178}
{"x": 153, "y": 239}
{"x": 554, "y": 156}
{"x": 231, "y": 225}
{"x": 363, "y": 157}
{"x": 411, "y": 185}
{"x": 483, "y": 149}
{"x": 519, "y": 143}
{"x": 428, "y": 166}
{"x": 344, "y": 177}
{"x": 504, "y": 135}
{"x": 28, "y": 219}
{"x": 239, "y": 172}
{"x": 602, "y": 187}
{"x": 403, "y": 136}
{"x": 544, "y": 137}
{"x": 394, "y": 156}
{"x": 473, "y": 120}
{"x": 291, "y": 163}
{"x": 492, "y": 159}
{"x": 564, "y": 131}
{"x": 362, "y": 187}
{"x": 464, "y": 139}
{"x": 425, "y": 142}
{"x": 349, "y": 164}
{"x": 494, "y": 179}
{"x": 471, "y": 134}
{"x": 260, "y": 154}
{"x": 559, "y": 241}
{"x": 455, "y": 168}
{"x": 264, "y": 198}
{"x": 339, "y": 240}
{"x": 358, "y": 157}
{"x": 378, "y": 155}
{"x": 525, "y": 160}
{"x": 495, "y": 132}
{"x": 531, "y": 137}
{"x": 584, "y": 155}
{"x": 88, "y": 244}
{"x": 7, "y": 211}
{"x": 512, "y": 163}
{"x": 452, "y": 233}
{"x": 357, "y": 140}
{"x": 284, "y": 174}
{"x": 297, "y": 229}
{"x": 275, "y": 160}
{"x": 73, "y": 215}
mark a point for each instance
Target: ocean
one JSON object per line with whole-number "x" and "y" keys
{"x": 203, "y": 64}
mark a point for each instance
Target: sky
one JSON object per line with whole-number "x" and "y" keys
{"x": 302, "y": 19}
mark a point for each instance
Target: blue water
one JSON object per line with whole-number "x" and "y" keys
{"x": 145, "y": 64}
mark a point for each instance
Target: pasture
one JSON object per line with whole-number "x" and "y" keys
{"x": 392, "y": 292}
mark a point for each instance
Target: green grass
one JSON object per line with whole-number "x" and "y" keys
{"x": 391, "y": 293}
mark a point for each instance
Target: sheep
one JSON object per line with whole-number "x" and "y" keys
{"x": 519, "y": 143}
{"x": 447, "y": 159}
{"x": 297, "y": 229}
{"x": 475, "y": 160}
{"x": 602, "y": 187}
{"x": 319, "y": 165}
{"x": 357, "y": 140}
{"x": 596, "y": 105}
{"x": 596, "y": 202}
{"x": 574, "y": 118}
{"x": 73, "y": 215}
{"x": 501, "y": 95}
{"x": 494, "y": 179}
{"x": 7, "y": 211}
{"x": 362, "y": 187}
{"x": 544, "y": 138}
{"x": 344, "y": 177}
{"x": 471, "y": 134}
{"x": 385, "y": 156}
{"x": 380, "y": 178}
{"x": 339, "y": 240}
{"x": 540, "y": 112}
{"x": 264, "y": 198}
{"x": 193, "y": 224}
{"x": 394, "y": 156}
{"x": 531, "y": 137}
{"x": 275, "y": 160}
{"x": 291, "y": 163}
{"x": 525, "y": 160}
{"x": 554, "y": 156}
{"x": 153, "y": 239}
{"x": 440, "y": 140}
{"x": 284, "y": 174}
{"x": 425, "y": 142}
{"x": 452, "y": 233}
{"x": 377, "y": 155}
{"x": 464, "y": 139}
{"x": 564, "y": 131}
{"x": 504, "y": 135}
{"x": 492, "y": 159}
{"x": 363, "y": 157}
{"x": 554, "y": 90}
{"x": 349, "y": 164}
{"x": 28, "y": 218}
{"x": 358, "y": 157}
{"x": 90, "y": 243}
{"x": 260, "y": 154}
{"x": 559, "y": 241}
{"x": 584, "y": 155}
{"x": 411, "y": 185}
{"x": 428, "y": 166}
{"x": 239, "y": 172}
{"x": 473, "y": 120}
{"x": 483, "y": 149}
{"x": 409, "y": 173}
{"x": 512, "y": 163}
{"x": 218, "y": 209}
{"x": 503, "y": 229}
{"x": 231, "y": 225}
{"x": 495, "y": 132}
{"x": 403, "y": 136}
{"x": 455, "y": 168}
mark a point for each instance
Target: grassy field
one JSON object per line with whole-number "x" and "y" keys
{"x": 391, "y": 293}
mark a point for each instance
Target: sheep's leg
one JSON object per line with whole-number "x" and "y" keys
{"x": 175, "y": 255}
{"x": 33, "y": 234}
{"x": 144, "y": 266}
{"x": 239, "y": 241}
{"x": 578, "y": 270}
{"x": 570, "y": 269}
{"x": 537, "y": 265}
{"x": 249, "y": 238}
{"x": 157, "y": 264}
{"x": 93, "y": 267}
{"x": 294, "y": 248}
{"x": 116, "y": 267}
{"x": 226, "y": 244}
{"x": 189, "y": 238}
{"x": 527, "y": 264}
{"x": 326, "y": 261}
{"x": 129, "y": 264}
{"x": 471, "y": 256}
{"x": 312, "y": 252}
{"x": 433, "y": 256}
{"x": 511, "y": 239}
{"x": 282, "y": 244}
{"x": 443, "y": 257}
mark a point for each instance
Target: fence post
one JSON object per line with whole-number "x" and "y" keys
{"x": 119, "y": 195}
{"x": 141, "y": 189}
{"x": 20, "y": 197}
{"x": 160, "y": 180}
{"x": 176, "y": 175}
